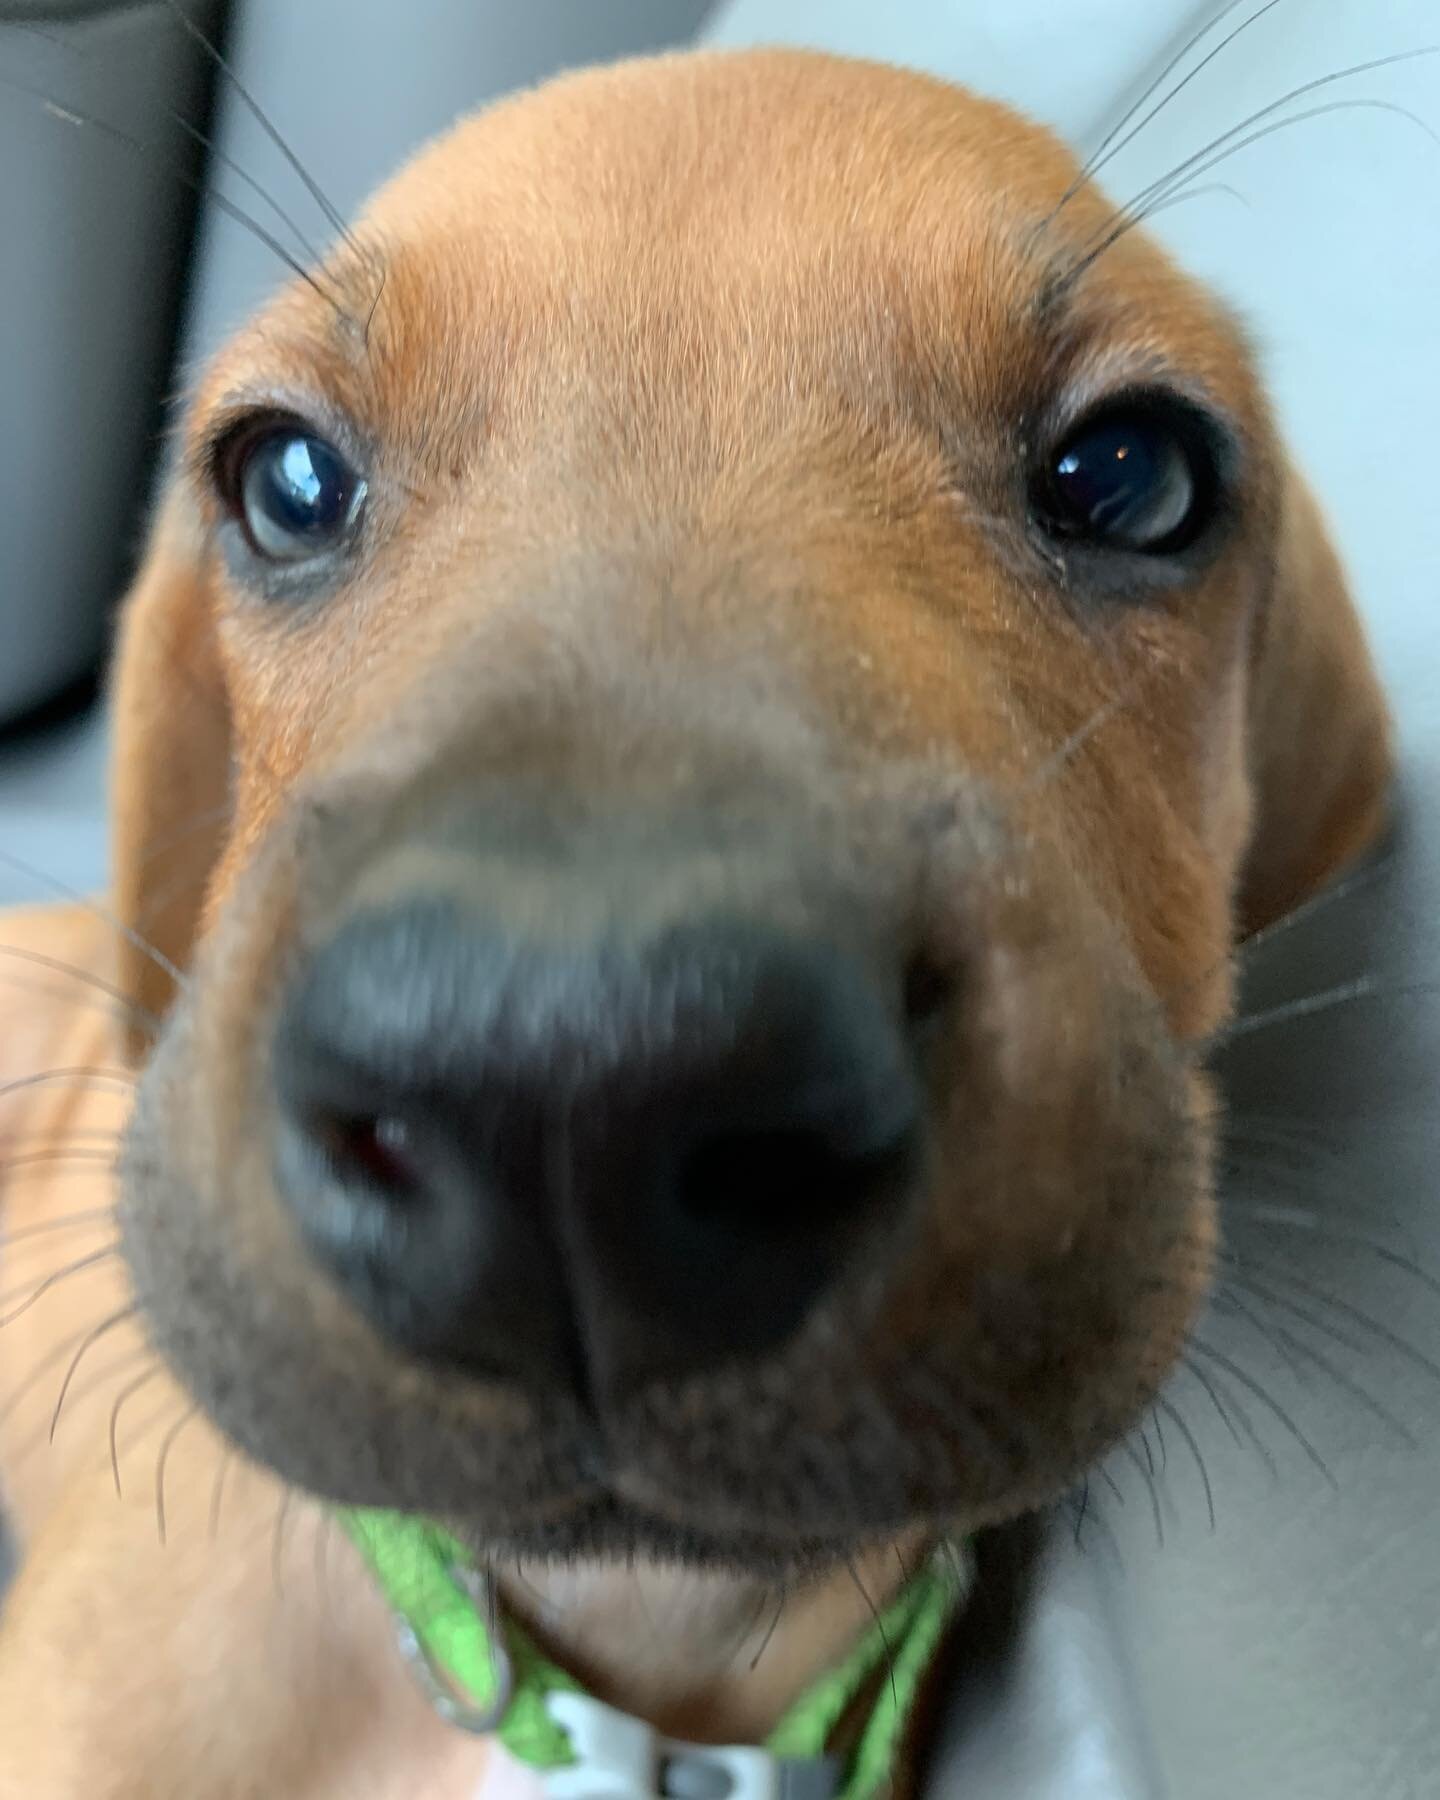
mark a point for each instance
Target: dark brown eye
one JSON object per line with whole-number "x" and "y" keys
{"x": 294, "y": 494}
{"x": 1138, "y": 479}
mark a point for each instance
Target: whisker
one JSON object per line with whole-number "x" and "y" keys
{"x": 1293, "y": 1219}
{"x": 133, "y": 1387}
{"x": 127, "y": 933}
{"x": 1328, "y": 896}
{"x": 155, "y": 155}
{"x": 1112, "y": 1484}
{"x": 1267, "y": 1400}
{"x": 89, "y": 1215}
{"x": 1234, "y": 1304}
{"x": 167, "y": 1444}
{"x": 332, "y": 214}
{"x": 131, "y": 1009}
{"x": 1160, "y": 1440}
{"x": 83, "y": 1072}
{"x": 43, "y": 1436}
{"x": 1070, "y": 746}
{"x": 217, "y": 1494}
{"x": 1357, "y": 1315}
{"x": 1351, "y": 1386}
{"x": 1345, "y": 993}
{"x": 1098, "y": 157}
{"x": 92, "y": 1337}
{"x": 1092, "y": 169}
{"x": 1138, "y": 210}
{"x": 1239, "y": 1277}
{"x": 1177, "y": 1419}
{"x": 1147, "y": 1474}
{"x": 773, "y": 1627}
{"x": 1082, "y": 1509}
{"x": 879, "y": 1622}
{"x": 77, "y": 1267}
{"x": 34, "y": 1376}
{"x": 1230, "y": 1407}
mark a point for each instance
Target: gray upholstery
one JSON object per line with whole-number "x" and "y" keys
{"x": 94, "y": 239}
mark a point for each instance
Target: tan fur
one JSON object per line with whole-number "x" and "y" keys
{"x": 699, "y": 292}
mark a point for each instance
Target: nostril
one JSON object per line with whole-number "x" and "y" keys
{"x": 929, "y": 988}
{"x": 791, "y": 1180}
{"x": 374, "y": 1150}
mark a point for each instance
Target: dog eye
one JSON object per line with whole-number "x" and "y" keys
{"x": 1136, "y": 478}
{"x": 294, "y": 495}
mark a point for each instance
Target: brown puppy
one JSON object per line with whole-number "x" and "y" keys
{"x": 702, "y": 717}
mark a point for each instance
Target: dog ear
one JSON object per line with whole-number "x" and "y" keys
{"x": 1320, "y": 755}
{"x": 171, "y": 758}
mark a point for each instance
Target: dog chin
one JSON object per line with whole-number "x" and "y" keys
{"x": 609, "y": 1529}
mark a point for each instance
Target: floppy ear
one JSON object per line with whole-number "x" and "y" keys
{"x": 170, "y": 779}
{"x": 1320, "y": 756}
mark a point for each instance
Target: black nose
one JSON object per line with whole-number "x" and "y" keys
{"x": 589, "y": 1164}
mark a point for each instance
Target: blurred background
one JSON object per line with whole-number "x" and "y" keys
{"x": 1295, "y": 1651}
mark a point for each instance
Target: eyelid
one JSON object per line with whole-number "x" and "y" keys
{"x": 309, "y": 413}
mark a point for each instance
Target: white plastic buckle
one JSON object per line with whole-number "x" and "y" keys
{"x": 620, "y": 1758}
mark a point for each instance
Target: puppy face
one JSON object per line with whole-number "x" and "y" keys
{"x": 733, "y": 650}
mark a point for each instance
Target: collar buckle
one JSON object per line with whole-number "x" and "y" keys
{"x": 621, "y": 1758}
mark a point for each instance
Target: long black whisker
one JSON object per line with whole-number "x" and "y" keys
{"x": 132, "y": 1387}
{"x": 1232, "y": 1407}
{"x": 1147, "y": 1474}
{"x": 217, "y": 1494}
{"x": 46, "y": 1433}
{"x": 91, "y": 1338}
{"x": 773, "y": 1627}
{"x": 332, "y": 213}
{"x": 1136, "y": 211}
{"x": 1197, "y": 162}
{"x": 1285, "y": 1278}
{"x": 1093, "y": 168}
{"x": 1267, "y": 1400}
{"x": 1234, "y": 1304}
{"x": 77, "y": 1267}
{"x": 1294, "y": 1219}
{"x": 155, "y": 155}
{"x": 875, "y": 1615}
{"x": 1101, "y": 153}
{"x": 1238, "y": 1275}
{"x": 1160, "y": 1440}
{"x": 1351, "y": 1386}
{"x": 1177, "y": 1419}
{"x": 167, "y": 1444}
{"x": 1082, "y": 1509}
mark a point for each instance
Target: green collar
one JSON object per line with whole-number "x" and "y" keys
{"x": 485, "y": 1675}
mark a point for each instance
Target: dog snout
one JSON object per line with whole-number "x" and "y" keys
{"x": 591, "y": 1161}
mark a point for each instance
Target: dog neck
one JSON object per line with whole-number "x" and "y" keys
{"x": 706, "y": 1657}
